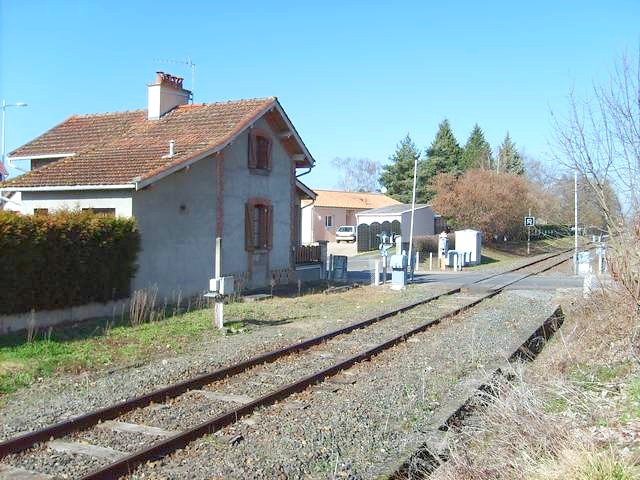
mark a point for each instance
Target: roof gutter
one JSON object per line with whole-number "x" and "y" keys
{"x": 64, "y": 188}
{"x": 40, "y": 157}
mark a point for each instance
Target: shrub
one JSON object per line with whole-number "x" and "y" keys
{"x": 64, "y": 259}
{"x": 484, "y": 200}
{"x": 429, "y": 243}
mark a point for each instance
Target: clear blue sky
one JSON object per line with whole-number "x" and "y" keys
{"x": 354, "y": 77}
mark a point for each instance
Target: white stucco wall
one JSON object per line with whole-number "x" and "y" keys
{"x": 240, "y": 186}
{"x": 422, "y": 222}
{"x": 178, "y": 246}
{"x": 176, "y": 217}
{"x": 77, "y": 199}
{"x": 369, "y": 219}
{"x": 306, "y": 234}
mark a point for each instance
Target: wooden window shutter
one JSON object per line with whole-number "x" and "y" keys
{"x": 269, "y": 222}
{"x": 252, "y": 158}
{"x": 248, "y": 227}
{"x": 269, "y": 144}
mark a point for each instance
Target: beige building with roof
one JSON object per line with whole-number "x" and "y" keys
{"x": 187, "y": 173}
{"x": 333, "y": 208}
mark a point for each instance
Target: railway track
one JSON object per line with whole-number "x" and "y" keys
{"x": 113, "y": 441}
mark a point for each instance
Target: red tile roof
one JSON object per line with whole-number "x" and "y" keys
{"x": 116, "y": 148}
{"x": 356, "y": 200}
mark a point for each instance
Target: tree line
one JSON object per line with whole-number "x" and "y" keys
{"x": 445, "y": 156}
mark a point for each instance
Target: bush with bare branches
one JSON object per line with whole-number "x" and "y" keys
{"x": 494, "y": 203}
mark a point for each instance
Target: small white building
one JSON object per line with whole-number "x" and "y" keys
{"x": 469, "y": 242}
{"x": 423, "y": 222}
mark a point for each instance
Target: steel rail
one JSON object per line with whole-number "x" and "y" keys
{"x": 164, "y": 447}
{"x": 57, "y": 430}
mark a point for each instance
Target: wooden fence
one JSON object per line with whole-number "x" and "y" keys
{"x": 307, "y": 254}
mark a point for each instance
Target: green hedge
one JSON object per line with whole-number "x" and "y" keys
{"x": 64, "y": 259}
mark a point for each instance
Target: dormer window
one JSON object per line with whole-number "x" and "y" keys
{"x": 259, "y": 151}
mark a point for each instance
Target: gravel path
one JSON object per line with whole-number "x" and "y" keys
{"x": 357, "y": 430}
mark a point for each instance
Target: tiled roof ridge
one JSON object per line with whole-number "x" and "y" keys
{"x": 105, "y": 114}
{"x": 188, "y": 105}
{"x": 346, "y": 191}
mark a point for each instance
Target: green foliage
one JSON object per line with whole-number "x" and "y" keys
{"x": 64, "y": 259}
{"x": 397, "y": 177}
{"x": 509, "y": 159}
{"x": 445, "y": 154}
{"x": 477, "y": 151}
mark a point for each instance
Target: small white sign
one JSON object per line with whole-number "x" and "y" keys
{"x": 529, "y": 221}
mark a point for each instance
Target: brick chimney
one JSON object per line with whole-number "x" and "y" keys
{"x": 165, "y": 94}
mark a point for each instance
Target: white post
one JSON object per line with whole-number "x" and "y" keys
{"x": 4, "y": 106}
{"x": 218, "y": 266}
{"x": 384, "y": 270}
{"x": 330, "y": 267}
{"x": 430, "y": 261}
{"x": 219, "y": 313}
{"x": 529, "y": 237}
{"x": 417, "y": 261}
{"x": 413, "y": 209}
{"x": 600, "y": 261}
{"x": 376, "y": 278}
{"x": 575, "y": 201}
{"x": 219, "y": 303}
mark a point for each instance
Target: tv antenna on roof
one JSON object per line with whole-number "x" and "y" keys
{"x": 189, "y": 63}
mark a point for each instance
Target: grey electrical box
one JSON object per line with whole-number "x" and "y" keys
{"x": 222, "y": 285}
{"x": 398, "y": 264}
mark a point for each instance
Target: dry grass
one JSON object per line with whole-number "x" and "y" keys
{"x": 573, "y": 414}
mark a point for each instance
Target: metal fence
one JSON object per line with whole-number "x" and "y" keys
{"x": 368, "y": 235}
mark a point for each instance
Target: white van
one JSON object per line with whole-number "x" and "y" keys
{"x": 346, "y": 233}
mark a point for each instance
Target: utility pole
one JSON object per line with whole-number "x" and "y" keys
{"x": 413, "y": 209}
{"x": 529, "y": 236}
{"x": 575, "y": 220}
{"x": 5, "y": 105}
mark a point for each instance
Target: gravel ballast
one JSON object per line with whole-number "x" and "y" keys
{"x": 361, "y": 429}
{"x": 66, "y": 396}
{"x": 493, "y": 344}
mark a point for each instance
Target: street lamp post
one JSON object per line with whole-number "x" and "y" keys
{"x": 4, "y": 107}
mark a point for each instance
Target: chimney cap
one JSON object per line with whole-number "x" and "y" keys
{"x": 168, "y": 80}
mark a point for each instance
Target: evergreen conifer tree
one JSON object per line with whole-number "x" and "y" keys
{"x": 397, "y": 176}
{"x": 477, "y": 151}
{"x": 509, "y": 159}
{"x": 445, "y": 154}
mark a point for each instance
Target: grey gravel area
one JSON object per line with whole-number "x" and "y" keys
{"x": 56, "y": 464}
{"x": 193, "y": 407}
{"x": 196, "y": 407}
{"x": 66, "y": 396}
{"x": 361, "y": 429}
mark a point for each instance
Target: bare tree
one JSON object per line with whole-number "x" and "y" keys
{"x": 358, "y": 174}
{"x": 600, "y": 139}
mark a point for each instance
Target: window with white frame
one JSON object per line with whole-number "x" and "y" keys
{"x": 328, "y": 221}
